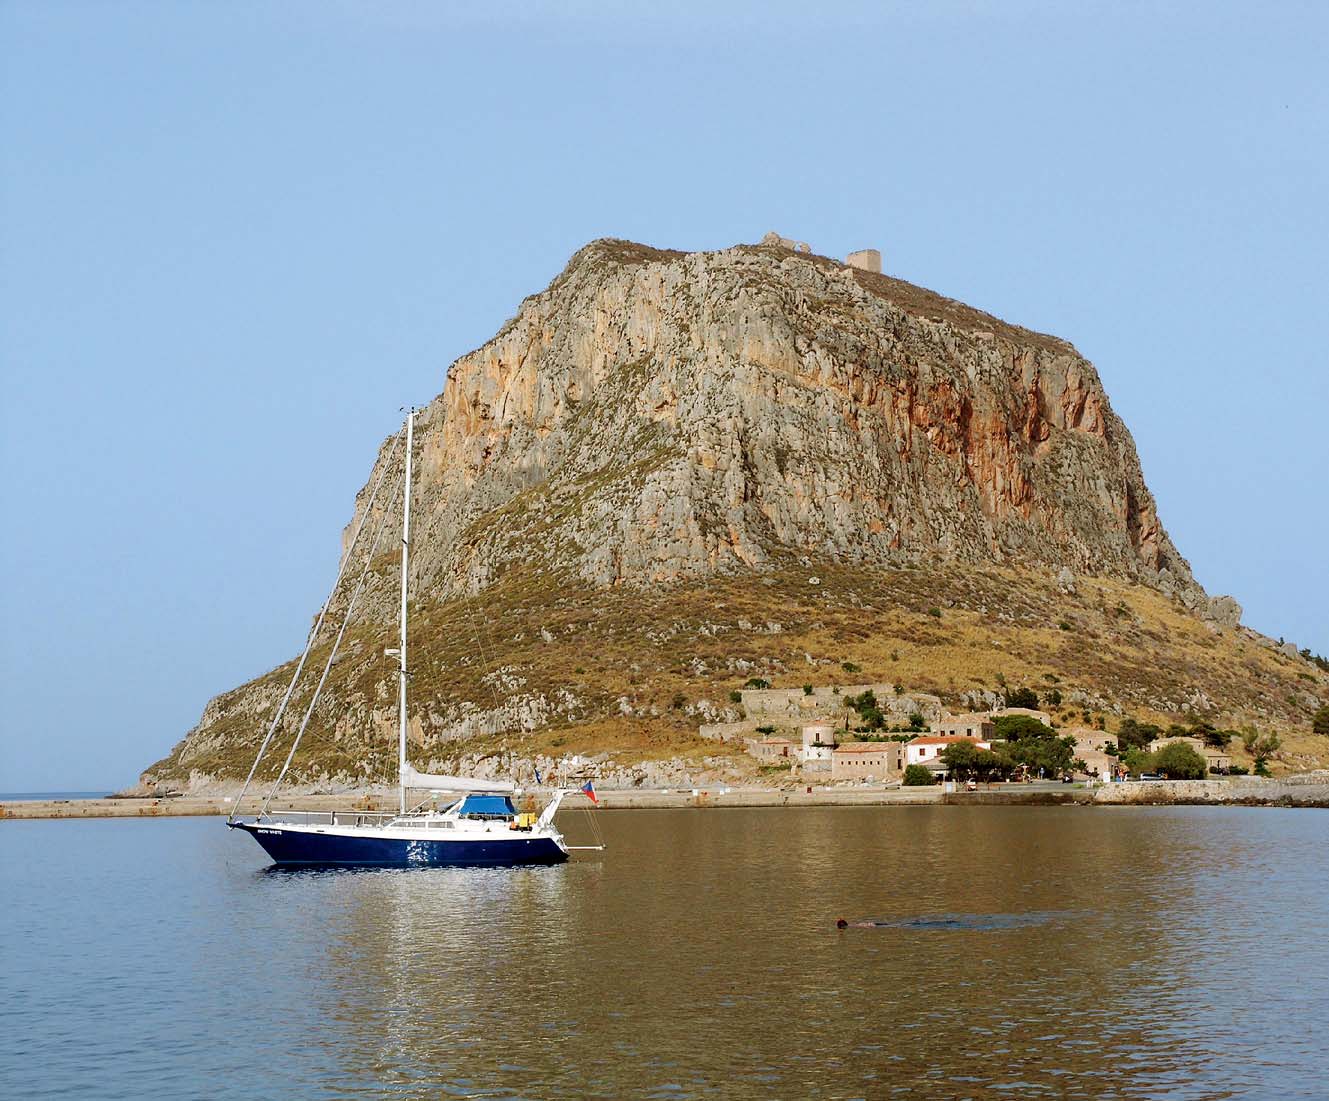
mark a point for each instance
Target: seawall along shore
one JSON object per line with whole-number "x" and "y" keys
{"x": 609, "y": 800}
{"x": 1290, "y": 792}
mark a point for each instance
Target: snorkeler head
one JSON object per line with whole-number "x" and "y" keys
{"x": 841, "y": 923}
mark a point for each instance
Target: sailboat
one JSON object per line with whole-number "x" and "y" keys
{"x": 478, "y": 825}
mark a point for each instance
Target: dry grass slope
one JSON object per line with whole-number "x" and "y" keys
{"x": 632, "y": 671}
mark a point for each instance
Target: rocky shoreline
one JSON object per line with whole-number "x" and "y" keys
{"x": 1294, "y": 791}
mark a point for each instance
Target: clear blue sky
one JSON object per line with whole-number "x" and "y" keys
{"x": 236, "y": 237}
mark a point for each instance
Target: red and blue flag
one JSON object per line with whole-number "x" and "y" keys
{"x": 588, "y": 790}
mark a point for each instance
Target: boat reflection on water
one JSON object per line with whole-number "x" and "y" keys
{"x": 426, "y": 969}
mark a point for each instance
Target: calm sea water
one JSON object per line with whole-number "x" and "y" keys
{"x": 1025, "y": 952}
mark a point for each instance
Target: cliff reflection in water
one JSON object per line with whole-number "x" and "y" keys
{"x": 699, "y": 954}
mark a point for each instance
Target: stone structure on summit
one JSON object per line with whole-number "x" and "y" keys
{"x": 867, "y": 259}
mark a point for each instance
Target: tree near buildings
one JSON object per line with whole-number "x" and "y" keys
{"x": 1136, "y": 735}
{"x": 1034, "y": 745}
{"x": 1217, "y": 739}
{"x": 958, "y": 757}
{"x": 1261, "y": 747}
{"x": 1178, "y": 761}
{"x": 1138, "y": 761}
{"x": 916, "y": 776}
{"x": 993, "y": 765}
{"x": 1016, "y": 728}
{"x": 1051, "y": 756}
{"x": 965, "y": 761}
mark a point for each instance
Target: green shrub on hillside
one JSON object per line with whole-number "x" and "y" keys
{"x": 869, "y": 713}
{"x": 1022, "y": 697}
{"x": 1320, "y": 724}
{"x": 1214, "y": 739}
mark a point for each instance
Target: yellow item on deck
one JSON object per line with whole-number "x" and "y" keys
{"x": 525, "y": 821}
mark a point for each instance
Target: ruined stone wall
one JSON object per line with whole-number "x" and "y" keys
{"x": 793, "y": 705}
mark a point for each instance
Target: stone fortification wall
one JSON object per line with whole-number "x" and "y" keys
{"x": 786, "y": 705}
{"x": 728, "y": 732}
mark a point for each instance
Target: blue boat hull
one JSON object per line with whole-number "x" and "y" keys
{"x": 297, "y": 847}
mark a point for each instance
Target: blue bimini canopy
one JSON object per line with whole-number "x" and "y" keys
{"x": 487, "y": 806}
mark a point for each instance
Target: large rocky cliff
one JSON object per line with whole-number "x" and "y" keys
{"x": 624, "y": 500}
{"x": 655, "y": 415}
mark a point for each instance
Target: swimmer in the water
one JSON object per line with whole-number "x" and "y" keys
{"x": 957, "y": 921}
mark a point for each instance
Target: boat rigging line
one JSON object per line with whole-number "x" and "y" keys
{"x": 332, "y": 656}
{"x": 309, "y": 642}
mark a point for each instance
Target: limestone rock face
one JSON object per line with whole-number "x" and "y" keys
{"x": 655, "y": 415}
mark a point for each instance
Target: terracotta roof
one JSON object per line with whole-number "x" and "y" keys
{"x": 862, "y": 747}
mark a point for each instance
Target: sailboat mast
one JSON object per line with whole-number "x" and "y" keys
{"x": 401, "y": 666}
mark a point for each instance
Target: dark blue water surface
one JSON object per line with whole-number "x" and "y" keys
{"x": 1022, "y": 952}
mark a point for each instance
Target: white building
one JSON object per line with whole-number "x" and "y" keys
{"x": 929, "y": 746}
